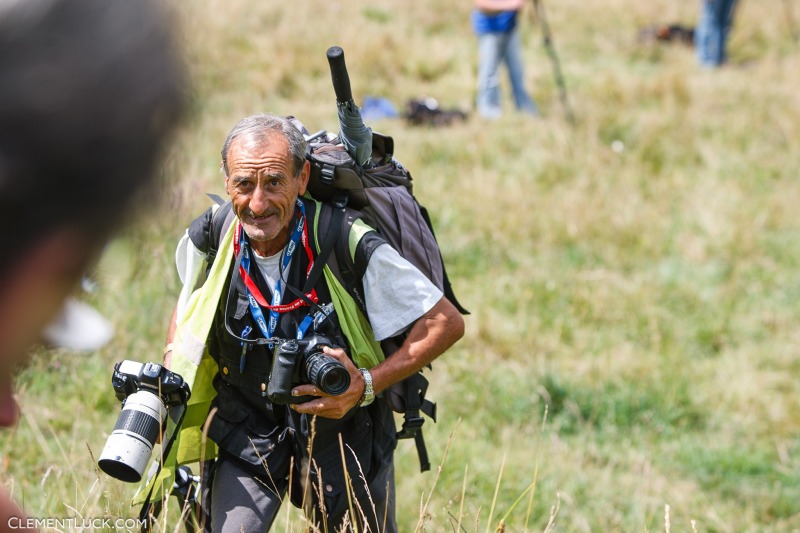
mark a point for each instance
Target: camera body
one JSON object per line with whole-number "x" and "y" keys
{"x": 130, "y": 377}
{"x": 147, "y": 392}
{"x": 297, "y": 362}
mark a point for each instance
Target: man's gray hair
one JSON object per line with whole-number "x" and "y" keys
{"x": 258, "y": 127}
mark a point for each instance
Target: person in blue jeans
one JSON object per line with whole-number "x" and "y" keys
{"x": 711, "y": 35}
{"x": 495, "y": 24}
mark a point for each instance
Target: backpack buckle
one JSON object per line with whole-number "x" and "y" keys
{"x": 326, "y": 175}
{"x": 411, "y": 426}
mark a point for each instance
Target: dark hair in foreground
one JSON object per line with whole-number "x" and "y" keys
{"x": 89, "y": 91}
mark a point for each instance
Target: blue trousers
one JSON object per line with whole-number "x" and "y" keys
{"x": 493, "y": 50}
{"x": 711, "y": 34}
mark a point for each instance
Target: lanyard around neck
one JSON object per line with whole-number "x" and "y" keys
{"x": 254, "y": 296}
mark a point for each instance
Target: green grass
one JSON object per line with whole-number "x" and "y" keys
{"x": 647, "y": 299}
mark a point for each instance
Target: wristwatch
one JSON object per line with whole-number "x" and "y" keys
{"x": 369, "y": 392}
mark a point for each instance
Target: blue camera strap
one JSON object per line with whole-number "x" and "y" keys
{"x": 302, "y": 329}
{"x": 268, "y": 327}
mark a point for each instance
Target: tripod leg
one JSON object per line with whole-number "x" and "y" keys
{"x": 547, "y": 38}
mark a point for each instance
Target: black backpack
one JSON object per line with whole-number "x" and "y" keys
{"x": 382, "y": 195}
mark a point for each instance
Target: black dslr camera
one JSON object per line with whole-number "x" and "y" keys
{"x": 297, "y": 362}
{"x": 130, "y": 377}
{"x": 147, "y": 392}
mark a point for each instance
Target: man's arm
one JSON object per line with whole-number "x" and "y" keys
{"x": 429, "y": 337}
{"x": 170, "y": 336}
{"x": 190, "y": 262}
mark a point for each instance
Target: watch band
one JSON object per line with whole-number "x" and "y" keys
{"x": 369, "y": 392}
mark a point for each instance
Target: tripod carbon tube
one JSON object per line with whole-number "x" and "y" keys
{"x": 547, "y": 38}
{"x": 355, "y": 135}
{"x": 339, "y": 76}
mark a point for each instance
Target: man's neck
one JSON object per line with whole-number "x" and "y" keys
{"x": 272, "y": 246}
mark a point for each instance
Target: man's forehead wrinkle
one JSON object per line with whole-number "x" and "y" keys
{"x": 268, "y": 174}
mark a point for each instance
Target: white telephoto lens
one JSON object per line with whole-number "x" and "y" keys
{"x": 130, "y": 445}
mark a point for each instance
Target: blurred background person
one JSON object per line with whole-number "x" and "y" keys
{"x": 713, "y": 28}
{"x": 495, "y": 24}
{"x": 89, "y": 91}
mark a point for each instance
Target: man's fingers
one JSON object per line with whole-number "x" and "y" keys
{"x": 307, "y": 390}
{"x": 324, "y": 407}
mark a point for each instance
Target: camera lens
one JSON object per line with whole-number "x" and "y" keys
{"x": 130, "y": 445}
{"x": 327, "y": 374}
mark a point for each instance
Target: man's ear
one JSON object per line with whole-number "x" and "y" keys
{"x": 303, "y": 178}
{"x": 227, "y": 191}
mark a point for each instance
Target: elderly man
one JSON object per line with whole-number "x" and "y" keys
{"x": 88, "y": 93}
{"x": 266, "y": 449}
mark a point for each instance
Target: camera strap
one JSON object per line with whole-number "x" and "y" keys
{"x": 144, "y": 513}
{"x": 254, "y": 296}
{"x": 340, "y": 203}
{"x": 308, "y": 295}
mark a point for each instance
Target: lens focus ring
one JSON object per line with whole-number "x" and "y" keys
{"x": 139, "y": 423}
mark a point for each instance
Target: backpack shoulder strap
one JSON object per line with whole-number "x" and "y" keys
{"x": 353, "y": 251}
{"x": 349, "y": 264}
{"x": 335, "y": 215}
{"x": 220, "y": 221}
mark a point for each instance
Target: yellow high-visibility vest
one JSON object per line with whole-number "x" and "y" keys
{"x": 190, "y": 357}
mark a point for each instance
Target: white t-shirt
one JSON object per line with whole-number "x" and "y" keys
{"x": 396, "y": 292}
{"x": 270, "y": 268}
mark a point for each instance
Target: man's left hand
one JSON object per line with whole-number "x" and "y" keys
{"x": 324, "y": 404}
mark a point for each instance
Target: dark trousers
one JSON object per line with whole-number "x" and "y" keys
{"x": 243, "y": 502}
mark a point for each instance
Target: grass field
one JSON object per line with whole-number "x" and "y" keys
{"x": 635, "y": 276}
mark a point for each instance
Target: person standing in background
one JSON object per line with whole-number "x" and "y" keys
{"x": 713, "y": 28}
{"x": 495, "y": 24}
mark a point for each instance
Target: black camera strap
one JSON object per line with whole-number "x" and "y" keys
{"x": 322, "y": 258}
{"x": 144, "y": 514}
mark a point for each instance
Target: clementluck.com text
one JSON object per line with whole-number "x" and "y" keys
{"x": 71, "y": 524}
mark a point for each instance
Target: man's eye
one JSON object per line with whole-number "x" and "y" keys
{"x": 275, "y": 182}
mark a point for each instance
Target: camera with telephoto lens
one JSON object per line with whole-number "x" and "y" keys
{"x": 148, "y": 391}
{"x": 298, "y": 362}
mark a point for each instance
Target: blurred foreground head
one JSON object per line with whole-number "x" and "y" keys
{"x": 89, "y": 92}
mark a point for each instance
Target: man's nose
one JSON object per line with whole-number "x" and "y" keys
{"x": 259, "y": 202}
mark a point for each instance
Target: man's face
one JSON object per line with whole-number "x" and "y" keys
{"x": 263, "y": 189}
{"x": 31, "y": 293}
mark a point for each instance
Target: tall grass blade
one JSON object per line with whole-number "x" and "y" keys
{"x": 424, "y": 510}
{"x": 496, "y": 492}
{"x": 529, "y": 510}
